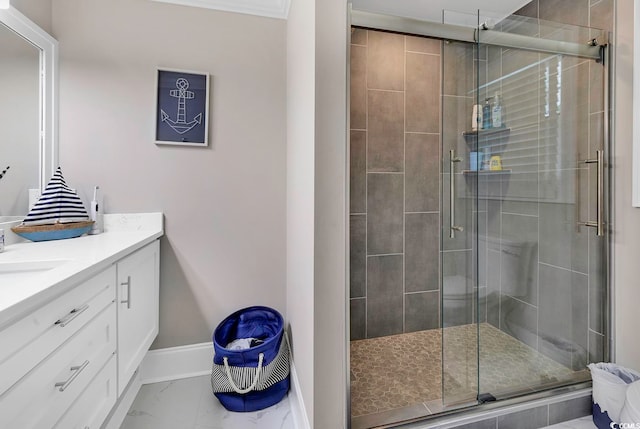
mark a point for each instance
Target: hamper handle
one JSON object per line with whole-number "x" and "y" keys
{"x": 255, "y": 380}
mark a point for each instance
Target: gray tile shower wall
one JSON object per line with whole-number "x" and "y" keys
{"x": 545, "y": 284}
{"x": 394, "y": 183}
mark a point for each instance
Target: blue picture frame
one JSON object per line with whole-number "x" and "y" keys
{"x": 182, "y": 107}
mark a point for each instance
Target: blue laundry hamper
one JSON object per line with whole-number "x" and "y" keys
{"x": 257, "y": 377}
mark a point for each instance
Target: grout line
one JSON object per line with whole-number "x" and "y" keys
{"x": 397, "y": 91}
{"x": 359, "y": 129}
{"x": 433, "y": 212}
{"x": 422, "y": 133}
{"x": 385, "y": 172}
{"x": 404, "y": 186}
{"x": 384, "y": 254}
{"x": 420, "y": 291}
{"x": 523, "y": 302}
{"x": 563, "y": 268}
{"x": 422, "y": 53}
{"x": 525, "y": 215}
{"x": 366, "y": 184}
{"x": 357, "y": 214}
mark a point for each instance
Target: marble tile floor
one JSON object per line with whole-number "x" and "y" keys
{"x": 189, "y": 404}
{"x": 585, "y": 422}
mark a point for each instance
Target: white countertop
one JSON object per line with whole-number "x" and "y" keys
{"x": 84, "y": 257}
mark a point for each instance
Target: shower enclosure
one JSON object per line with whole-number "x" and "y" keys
{"x": 478, "y": 266}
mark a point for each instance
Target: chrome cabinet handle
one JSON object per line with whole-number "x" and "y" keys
{"x": 72, "y": 315}
{"x": 76, "y": 370}
{"x": 452, "y": 195}
{"x": 128, "y": 300}
{"x": 599, "y": 222}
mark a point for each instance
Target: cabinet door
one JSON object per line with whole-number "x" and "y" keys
{"x": 138, "y": 282}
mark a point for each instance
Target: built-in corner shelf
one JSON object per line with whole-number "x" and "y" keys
{"x": 496, "y": 132}
{"x": 486, "y": 172}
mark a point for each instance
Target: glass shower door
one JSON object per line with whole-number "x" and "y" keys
{"x": 523, "y": 197}
{"x": 459, "y": 250}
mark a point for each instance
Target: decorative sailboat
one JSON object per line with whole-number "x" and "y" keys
{"x": 58, "y": 214}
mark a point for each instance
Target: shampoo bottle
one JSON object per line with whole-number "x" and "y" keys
{"x": 96, "y": 213}
{"x": 486, "y": 115}
{"x": 496, "y": 112}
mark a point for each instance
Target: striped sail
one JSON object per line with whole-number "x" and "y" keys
{"x": 57, "y": 204}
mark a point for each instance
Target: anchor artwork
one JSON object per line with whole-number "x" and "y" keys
{"x": 182, "y": 107}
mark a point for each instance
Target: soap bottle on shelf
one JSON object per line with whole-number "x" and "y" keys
{"x": 486, "y": 115}
{"x": 496, "y": 112}
{"x": 486, "y": 159}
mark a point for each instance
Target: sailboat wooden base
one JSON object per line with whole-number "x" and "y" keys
{"x": 56, "y": 231}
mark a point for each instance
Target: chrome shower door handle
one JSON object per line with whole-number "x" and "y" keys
{"x": 599, "y": 222}
{"x": 453, "y": 159}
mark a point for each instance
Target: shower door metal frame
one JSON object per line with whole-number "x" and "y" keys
{"x": 461, "y": 33}
{"x": 598, "y": 50}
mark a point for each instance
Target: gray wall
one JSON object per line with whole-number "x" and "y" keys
{"x": 224, "y": 205}
{"x": 394, "y": 186}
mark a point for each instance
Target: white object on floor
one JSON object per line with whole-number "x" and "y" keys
{"x": 585, "y": 422}
{"x": 189, "y": 404}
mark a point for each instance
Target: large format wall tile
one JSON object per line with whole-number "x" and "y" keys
{"x": 575, "y": 12}
{"x": 563, "y": 315}
{"x": 422, "y": 311}
{"x": 358, "y": 88}
{"x": 358, "y": 309}
{"x": 457, "y": 59}
{"x": 358, "y": 172}
{"x": 422, "y": 252}
{"x": 385, "y": 214}
{"x": 358, "y": 255}
{"x": 423, "y": 44}
{"x": 457, "y": 288}
{"x": 423, "y": 93}
{"x": 385, "y": 61}
{"x": 519, "y": 320}
{"x": 560, "y": 243}
{"x": 569, "y": 410}
{"x": 385, "y": 149}
{"x": 519, "y": 257}
{"x": 422, "y": 193}
{"x": 384, "y": 295}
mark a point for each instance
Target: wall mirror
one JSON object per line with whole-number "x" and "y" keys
{"x": 28, "y": 112}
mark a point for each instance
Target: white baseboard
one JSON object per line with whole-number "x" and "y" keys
{"x": 298, "y": 410}
{"x": 176, "y": 362}
{"x": 194, "y": 360}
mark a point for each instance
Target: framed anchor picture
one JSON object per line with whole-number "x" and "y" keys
{"x": 182, "y": 107}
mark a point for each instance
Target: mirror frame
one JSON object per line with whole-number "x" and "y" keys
{"x": 48, "y": 46}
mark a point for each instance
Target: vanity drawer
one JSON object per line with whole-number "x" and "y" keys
{"x": 28, "y": 341}
{"x": 95, "y": 403}
{"x": 42, "y": 397}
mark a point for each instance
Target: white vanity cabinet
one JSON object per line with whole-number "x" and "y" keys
{"x": 50, "y": 356}
{"x": 138, "y": 288}
{"x": 64, "y": 363}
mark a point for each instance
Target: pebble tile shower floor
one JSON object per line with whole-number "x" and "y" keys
{"x": 397, "y": 371}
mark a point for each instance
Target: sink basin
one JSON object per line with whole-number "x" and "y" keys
{"x": 12, "y": 271}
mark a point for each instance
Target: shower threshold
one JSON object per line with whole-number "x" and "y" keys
{"x": 399, "y": 377}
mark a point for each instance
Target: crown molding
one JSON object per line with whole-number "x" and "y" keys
{"x": 267, "y": 8}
